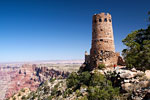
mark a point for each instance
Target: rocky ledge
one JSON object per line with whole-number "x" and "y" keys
{"x": 134, "y": 84}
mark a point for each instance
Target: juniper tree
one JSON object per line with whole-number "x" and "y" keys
{"x": 137, "y": 53}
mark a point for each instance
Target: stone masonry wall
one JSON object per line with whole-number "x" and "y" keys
{"x": 103, "y": 48}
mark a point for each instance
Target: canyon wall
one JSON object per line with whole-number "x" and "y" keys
{"x": 13, "y": 79}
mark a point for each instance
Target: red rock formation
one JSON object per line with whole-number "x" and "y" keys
{"x": 21, "y": 80}
{"x": 13, "y": 80}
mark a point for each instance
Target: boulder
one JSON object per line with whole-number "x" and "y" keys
{"x": 147, "y": 74}
{"x": 143, "y": 84}
{"x": 128, "y": 74}
{"x": 125, "y": 75}
{"x": 137, "y": 98}
{"x": 126, "y": 81}
{"x": 140, "y": 73}
{"x": 133, "y": 70}
{"x": 127, "y": 86}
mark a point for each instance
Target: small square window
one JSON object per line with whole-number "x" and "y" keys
{"x": 100, "y": 20}
{"x": 101, "y": 39}
{"x": 100, "y": 60}
{"x": 105, "y": 20}
{"x": 109, "y": 20}
{"x": 94, "y": 30}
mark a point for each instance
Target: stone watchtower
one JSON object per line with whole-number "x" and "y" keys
{"x": 102, "y": 34}
{"x": 103, "y": 48}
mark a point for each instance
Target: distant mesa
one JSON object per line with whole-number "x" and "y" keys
{"x": 19, "y": 64}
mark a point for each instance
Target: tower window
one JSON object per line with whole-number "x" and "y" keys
{"x": 94, "y": 30}
{"x": 100, "y": 20}
{"x": 94, "y": 52}
{"x": 101, "y": 29}
{"x": 95, "y": 21}
{"x": 105, "y": 20}
{"x": 101, "y": 60}
{"x": 109, "y": 20}
{"x": 101, "y": 39}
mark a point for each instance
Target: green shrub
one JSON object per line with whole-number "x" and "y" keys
{"x": 96, "y": 93}
{"x": 22, "y": 90}
{"x": 54, "y": 91}
{"x": 67, "y": 92}
{"x": 34, "y": 95}
{"x": 19, "y": 94}
{"x": 101, "y": 89}
{"x": 46, "y": 89}
{"x": 84, "y": 78}
{"x": 76, "y": 80}
{"x": 72, "y": 80}
{"x": 115, "y": 78}
{"x": 49, "y": 98}
{"x": 101, "y": 66}
{"x": 14, "y": 98}
{"x": 78, "y": 93}
{"x": 23, "y": 97}
{"x": 83, "y": 98}
{"x": 97, "y": 79}
{"x": 52, "y": 80}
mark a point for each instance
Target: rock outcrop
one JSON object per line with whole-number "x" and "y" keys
{"x": 135, "y": 84}
{"x": 13, "y": 79}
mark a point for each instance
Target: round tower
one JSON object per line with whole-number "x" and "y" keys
{"x": 102, "y": 38}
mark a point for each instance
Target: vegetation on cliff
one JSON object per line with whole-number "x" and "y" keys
{"x": 98, "y": 87}
{"x": 137, "y": 53}
{"x": 78, "y": 86}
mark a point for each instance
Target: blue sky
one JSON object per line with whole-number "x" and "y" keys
{"x": 62, "y": 29}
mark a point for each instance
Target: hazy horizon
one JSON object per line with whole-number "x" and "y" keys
{"x": 32, "y": 61}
